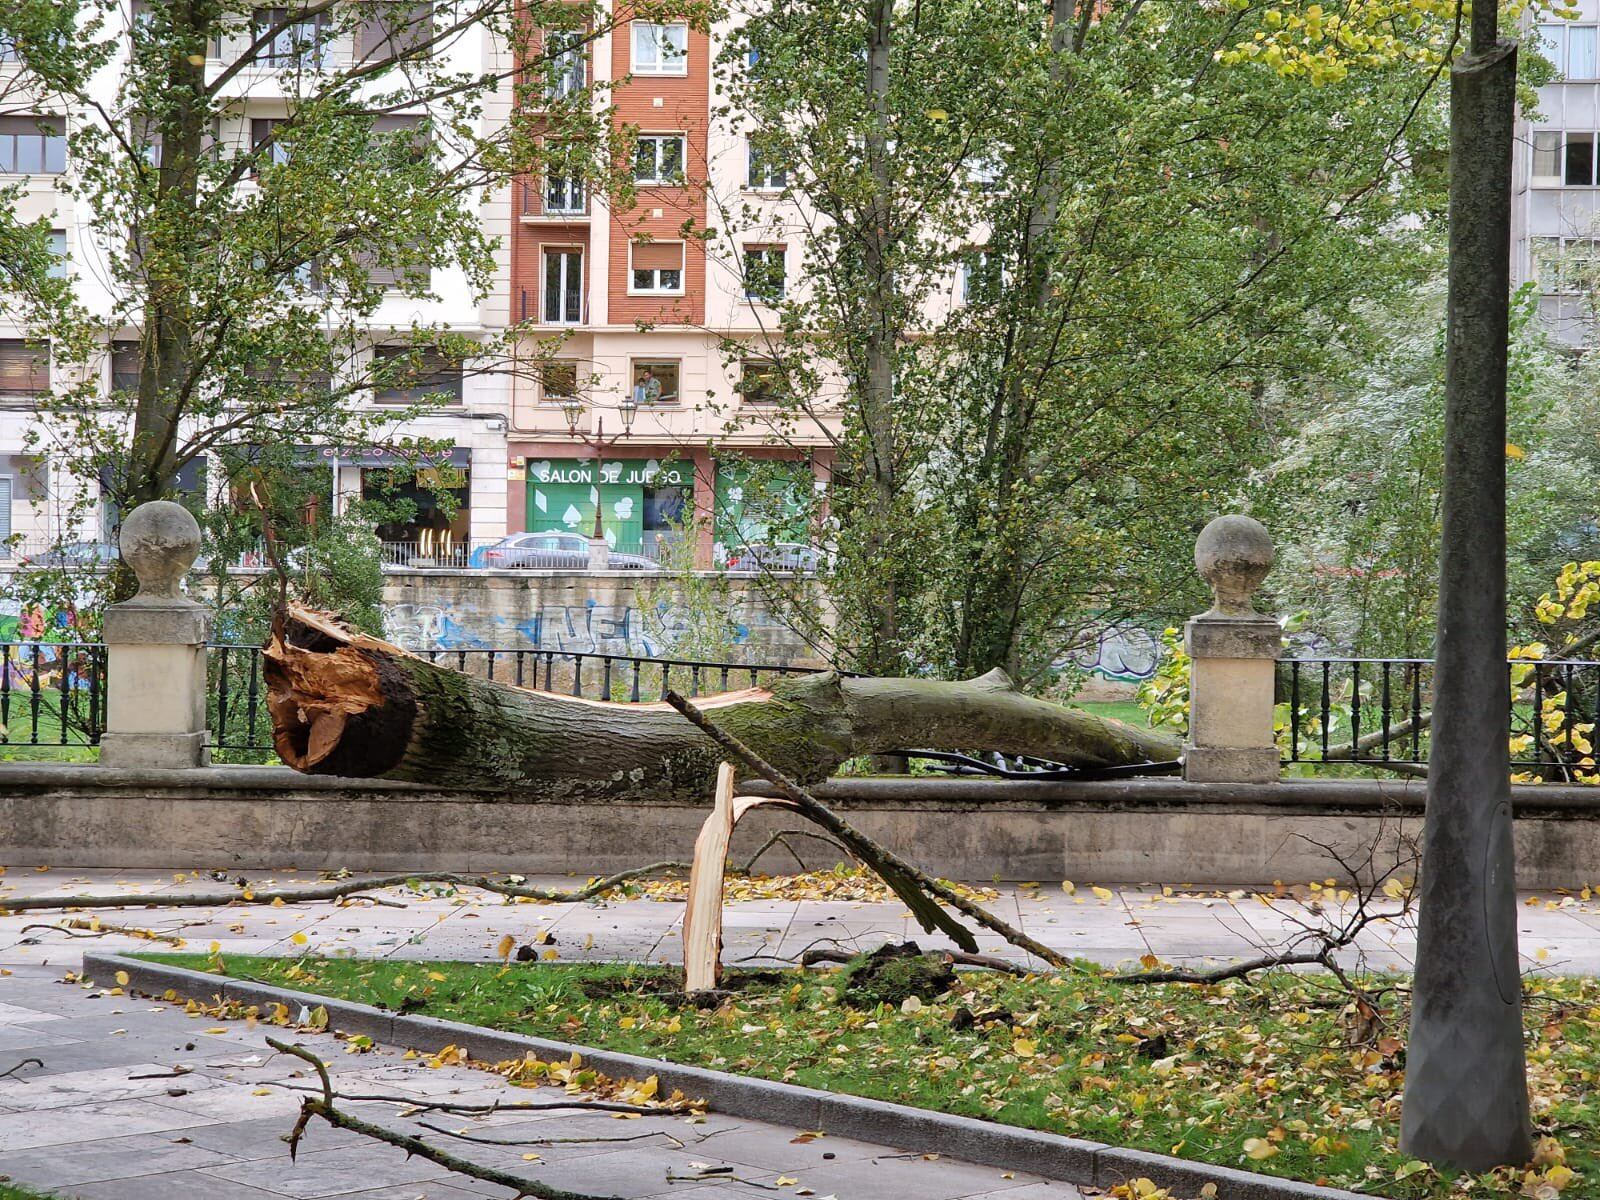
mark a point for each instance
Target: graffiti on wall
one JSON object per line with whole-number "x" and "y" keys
{"x": 587, "y": 627}
{"x": 1124, "y": 653}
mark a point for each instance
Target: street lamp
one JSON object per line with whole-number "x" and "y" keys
{"x": 572, "y": 410}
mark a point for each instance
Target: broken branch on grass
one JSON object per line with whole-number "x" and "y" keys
{"x": 312, "y": 1106}
{"x": 335, "y": 891}
{"x": 920, "y": 891}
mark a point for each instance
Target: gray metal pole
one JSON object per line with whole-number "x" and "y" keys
{"x": 1466, "y": 1096}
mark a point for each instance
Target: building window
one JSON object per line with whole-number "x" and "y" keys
{"x": 1571, "y": 48}
{"x": 567, "y": 68}
{"x": 564, "y": 194}
{"x": 563, "y": 287}
{"x": 764, "y": 173}
{"x": 24, "y": 368}
{"x": 33, "y": 145}
{"x": 304, "y": 41}
{"x": 658, "y": 158}
{"x": 980, "y": 276}
{"x": 1563, "y": 158}
{"x": 764, "y": 273}
{"x": 660, "y": 49}
{"x": 124, "y": 366}
{"x": 655, "y": 381}
{"x": 406, "y": 375}
{"x": 58, "y": 254}
{"x": 407, "y": 134}
{"x": 263, "y": 137}
{"x": 657, "y": 267}
{"x": 759, "y": 381}
{"x": 558, "y": 380}
{"x": 1565, "y": 266}
{"x": 395, "y": 30}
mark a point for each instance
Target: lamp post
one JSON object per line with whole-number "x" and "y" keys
{"x": 1466, "y": 1096}
{"x": 572, "y": 409}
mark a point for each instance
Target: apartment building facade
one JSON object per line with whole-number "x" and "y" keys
{"x": 1556, "y": 188}
{"x": 658, "y": 405}
{"x": 37, "y": 497}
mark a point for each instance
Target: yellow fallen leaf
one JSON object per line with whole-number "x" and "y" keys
{"x": 1068, "y": 886}
{"x": 1515, "y": 451}
{"x": 215, "y": 1029}
{"x": 506, "y": 946}
{"x": 299, "y": 939}
{"x": 1101, "y": 893}
{"x": 1024, "y": 1048}
{"x": 1259, "y": 1148}
{"x": 122, "y": 978}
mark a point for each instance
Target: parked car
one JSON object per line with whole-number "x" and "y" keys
{"x": 73, "y": 554}
{"x": 778, "y": 556}
{"x": 553, "y": 550}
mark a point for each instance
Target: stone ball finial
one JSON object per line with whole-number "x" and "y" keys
{"x": 1233, "y": 554}
{"x": 160, "y": 540}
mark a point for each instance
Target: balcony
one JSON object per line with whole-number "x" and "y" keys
{"x": 557, "y": 202}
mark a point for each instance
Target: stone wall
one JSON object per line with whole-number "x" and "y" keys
{"x": 618, "y": 612}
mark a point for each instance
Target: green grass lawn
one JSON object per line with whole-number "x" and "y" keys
{"x": 10, "y": 1191}
{"x": 1268, "y": 1076}
{"x": 1118, "y": 710}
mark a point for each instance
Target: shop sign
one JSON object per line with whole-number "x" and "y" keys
{"x": 626, "y": 472}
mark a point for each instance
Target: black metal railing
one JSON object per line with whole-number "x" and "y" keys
{"x": 240, "y": 721}
{"x": 52, "y": 693}
{"x": 1379, "y": 712}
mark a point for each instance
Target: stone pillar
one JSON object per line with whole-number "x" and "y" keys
{"x": 599, "y": 554}
{"x": 156, "y": 648}
{"x": 1233, "y": 653}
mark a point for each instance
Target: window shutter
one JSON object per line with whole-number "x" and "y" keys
{"x": 24, "y": 369}
{"x": 658, "y": 256}
{"x": 56, "y": 126}
{"x": 5, "y": 506}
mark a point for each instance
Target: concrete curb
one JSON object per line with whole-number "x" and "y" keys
{"x": 915, "y": 1130}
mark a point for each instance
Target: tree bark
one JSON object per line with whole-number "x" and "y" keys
{"x": 343, "y": 703}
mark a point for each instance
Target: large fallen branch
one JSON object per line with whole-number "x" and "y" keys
{"x": 920, "y": 891}
{"x": 343, "y": 703}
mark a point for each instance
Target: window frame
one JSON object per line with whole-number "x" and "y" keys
{"x": 676, "y": 68}
{"x": 421, "y": 389}
{"x": 318, "y": 57}
{"x": 1558, "y": 35}
{"x": 565, "y": 251}
{"x": 759, "y": 365}
{"x": 546, "y": 395}
{"x": 1561, "y": 245}
{"x": 657, "y": 179}
{"x": 635, "y": 365}
{"x": 574, "y": 187}
{"x": 50, "y": 130}
{"x": 560, "y": 83}
{"x": 759, "y": 175}
{"x": 764, "y": 253}
{"x": 39, "y": 372}
{"x": 658, "y": 290}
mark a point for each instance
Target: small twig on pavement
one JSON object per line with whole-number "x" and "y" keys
{"x": 559, "y": 1141}
{"x": 665, "y": 1109}
{"x": 9, "y": 1071}
{"x": 313, "y": 1106}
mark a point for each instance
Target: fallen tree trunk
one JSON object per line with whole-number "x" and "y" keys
{"x": 343, "y": 703}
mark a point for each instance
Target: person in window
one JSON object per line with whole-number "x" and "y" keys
{"x": 647, "y": 388}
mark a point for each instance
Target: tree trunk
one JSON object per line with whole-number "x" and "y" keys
{"x": 343, "y": 703}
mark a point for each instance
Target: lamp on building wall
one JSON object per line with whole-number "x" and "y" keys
{"x": 572, "y": 410}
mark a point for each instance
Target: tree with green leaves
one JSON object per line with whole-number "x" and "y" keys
{"x": 1099, "y": 243}
{"x": 281, "y": 213}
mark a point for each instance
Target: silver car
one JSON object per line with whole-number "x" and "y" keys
{"x": 553, "y": 550}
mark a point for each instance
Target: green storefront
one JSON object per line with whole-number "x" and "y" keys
{"x": 644, "y": 502}
{"x": 761, "y": 501}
